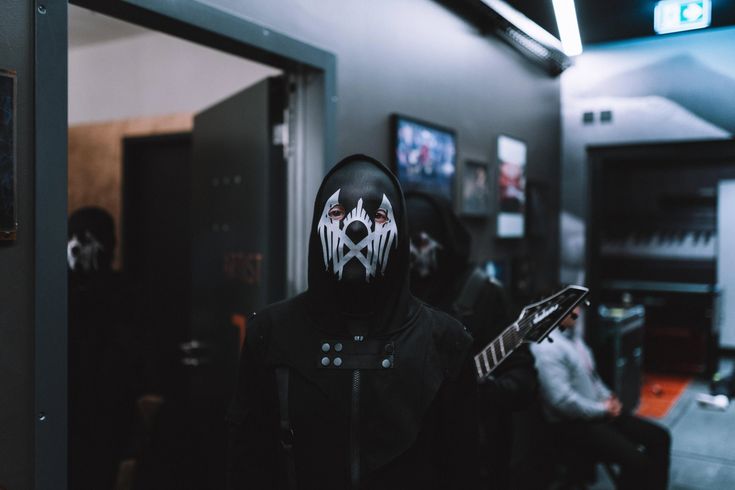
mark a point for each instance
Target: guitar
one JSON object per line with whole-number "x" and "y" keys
{"x": 534, "y": 324}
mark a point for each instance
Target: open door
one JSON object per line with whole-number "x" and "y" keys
{"x": 238, "y": 235}
{"x": 238, "y": 210}
{"x": 237, "y": 261}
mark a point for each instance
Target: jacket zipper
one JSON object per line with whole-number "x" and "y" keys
{"x": 355, "y": 432}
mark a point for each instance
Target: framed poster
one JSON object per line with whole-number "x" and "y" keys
{"x": 8, "y": 199}
{"x": 424, "y": 155}
{"x": 511, "y": 187}
{"x": 475, "y": 189}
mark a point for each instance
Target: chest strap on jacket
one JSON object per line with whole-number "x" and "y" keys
{"x": 348, "y": 355}
{"x": 286, "y": 431}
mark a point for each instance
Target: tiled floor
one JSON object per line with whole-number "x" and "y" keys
{"x": 703, "y": 451}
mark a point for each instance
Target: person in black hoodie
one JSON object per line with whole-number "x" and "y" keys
{"x": 354, "y": 384}
{"x": 443, "y": 276}
{"x": 103, "y": 359}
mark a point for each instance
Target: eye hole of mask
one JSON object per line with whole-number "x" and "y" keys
{"x": 336, "y": 212}
{"x": 381, "y": 216}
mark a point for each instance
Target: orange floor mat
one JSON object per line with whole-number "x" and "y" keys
{"x": 659, "y": 393}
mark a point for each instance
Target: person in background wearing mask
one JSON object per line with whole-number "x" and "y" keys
{"x": 585, "y": 414}
{"x": 354, "y": 384}
{"x": 443, "y": 276}
{"x": 103, "y": 381}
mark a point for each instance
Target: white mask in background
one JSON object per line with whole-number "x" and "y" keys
{"x": 83, "y": 255}
{"x": 423, "y": 255}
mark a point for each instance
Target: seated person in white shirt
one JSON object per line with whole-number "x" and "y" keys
{"x": 585, "y": 414}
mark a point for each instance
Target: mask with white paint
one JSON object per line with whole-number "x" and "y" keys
{"x": 424, "y": 250}
{"x": 357, "y": 236}
{"x": 82, "y": 253}
{"x": 359, "y": 247}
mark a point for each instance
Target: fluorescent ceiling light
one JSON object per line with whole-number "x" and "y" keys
{"x": 526, "y": 36}
{"x": 523, "y": 23}
{"x": 566, "y": 20}
{"x": 681, "y": 15}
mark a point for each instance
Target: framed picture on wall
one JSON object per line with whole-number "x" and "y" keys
{"x": 424, "y": 155}
{"x": 511, "y": 187}
{"x": 8, "y": 198}
{"x": 475, "y": 189}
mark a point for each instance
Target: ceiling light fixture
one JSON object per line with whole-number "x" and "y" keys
{"x": 566, "y": 21}
{"x": 524, "y": 34}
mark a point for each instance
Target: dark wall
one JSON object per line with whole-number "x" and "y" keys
{"x": 17, "y": 263}
{"x": 417, "y": 58}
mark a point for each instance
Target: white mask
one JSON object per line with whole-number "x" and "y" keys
{"x": 83, "y": 254}
{"x": 423, "y": 256}
{"x": 372, "y": 251}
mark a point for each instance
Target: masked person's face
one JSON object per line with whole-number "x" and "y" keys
{"x": 83, "y": 252}
{"x": 424, "y": 254}
{"x": 358, "y": 226}
{"x": 428, "y": 237}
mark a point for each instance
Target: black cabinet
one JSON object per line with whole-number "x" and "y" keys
{"x": 682, "y": 324}
{"x": 618, "y": 346}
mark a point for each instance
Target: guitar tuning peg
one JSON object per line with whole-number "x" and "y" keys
{"x": 587, "y": 302}
{"x": 551, "y": 341}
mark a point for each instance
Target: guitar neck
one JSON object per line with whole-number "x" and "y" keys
{"x": 499, "y": 349}
{"x": 534, "y": 324}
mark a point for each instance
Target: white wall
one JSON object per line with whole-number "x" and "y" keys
{"x": 152, "y": 74}
{"x": 725, "y": 265}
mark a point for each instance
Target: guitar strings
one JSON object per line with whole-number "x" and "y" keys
{"x": 510, "y": 336}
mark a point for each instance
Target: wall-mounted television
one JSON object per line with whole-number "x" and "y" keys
{"x": 424, "y": 155}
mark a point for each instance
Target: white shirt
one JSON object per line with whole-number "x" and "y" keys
{"x": 570, "y": 386}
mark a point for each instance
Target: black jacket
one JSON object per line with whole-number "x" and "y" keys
{"x": 381, "y": 391}
{"x": 513, "y": 384}
{"x": 450, "y": 282}
{"x": 416, "y": 423}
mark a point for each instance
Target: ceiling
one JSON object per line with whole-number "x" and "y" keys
{"x": 613, "y": 20}
{"x": 87, "y": 27}
{"x": 599, "y": 21}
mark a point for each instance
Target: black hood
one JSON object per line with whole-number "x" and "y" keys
{"x": 359, "y": 248}
{"x": 401, "y": 352}
{"x": 440, "y": 246}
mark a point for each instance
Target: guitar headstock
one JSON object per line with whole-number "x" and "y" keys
{"x": 539, "y": 319}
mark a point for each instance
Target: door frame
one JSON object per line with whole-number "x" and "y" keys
{"x": 186, "y": 19}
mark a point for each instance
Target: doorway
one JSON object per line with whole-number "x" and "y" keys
{"x": 155, "y": 171}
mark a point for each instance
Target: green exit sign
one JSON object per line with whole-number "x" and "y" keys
{"x": 681, "y": 15}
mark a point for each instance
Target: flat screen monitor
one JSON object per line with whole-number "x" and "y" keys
{"x": 424, "y": 155}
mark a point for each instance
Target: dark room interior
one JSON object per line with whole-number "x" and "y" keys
{"x": 367, "y": 244}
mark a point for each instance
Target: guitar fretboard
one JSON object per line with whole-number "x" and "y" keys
{"x": 534, "y": 324}
{"x": 500, "y": 348}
